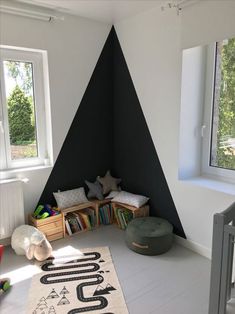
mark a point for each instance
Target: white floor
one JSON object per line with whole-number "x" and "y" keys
{"x": 176, "y": 282}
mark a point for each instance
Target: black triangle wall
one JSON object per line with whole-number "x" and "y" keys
{"x": 134, "y": 155}
{"x": 109, "y": 131}
{"x": 87, "y": 149}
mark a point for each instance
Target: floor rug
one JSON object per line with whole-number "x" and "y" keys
{"x": 83, "y": 283}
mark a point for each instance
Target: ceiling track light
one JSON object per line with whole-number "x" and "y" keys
{"x": 30, "y": 13}
{"x": 178, "y": 6}
{"x": 171, "y": 5}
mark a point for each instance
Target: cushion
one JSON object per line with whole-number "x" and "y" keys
{"x": 149, "y": 235}
{"x": 70, "y": 198}
{"x": 130, "y": 199}
{"x": 95, "y": 190}
{"x": 109, "y": 183}
{"x": 112, "y": 194}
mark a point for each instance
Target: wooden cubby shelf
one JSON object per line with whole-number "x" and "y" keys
{"x": 55, "y": 227}
{"x": 75, "y": 210}
{"x": 52, "y": 227}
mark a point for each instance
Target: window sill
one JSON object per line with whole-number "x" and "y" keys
{"x": 212, "y": 183}
{"x": 9, "y": 173}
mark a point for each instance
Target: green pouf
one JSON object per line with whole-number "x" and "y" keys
{"x": 149, "y": 235}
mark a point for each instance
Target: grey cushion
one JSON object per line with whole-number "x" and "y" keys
{"x": 149, "y": 235}
{"x": 109, "y": 183}
{"x": 95, "y": 190}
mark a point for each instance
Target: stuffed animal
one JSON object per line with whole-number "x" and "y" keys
{"x": 28, "y": 240}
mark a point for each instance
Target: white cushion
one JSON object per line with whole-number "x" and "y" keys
{"x": 112, "y": 194}
{"x": 70, "y": 198}
{"x": 130, "y": 199}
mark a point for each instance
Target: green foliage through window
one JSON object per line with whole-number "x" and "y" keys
{"x": 224, "y": 106}
{"x": 19, "y": 117}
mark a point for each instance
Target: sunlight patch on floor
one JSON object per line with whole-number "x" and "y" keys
{"x": 66, "y": 254}
{"x": 21, "y": 273}
{"x": 61, "y": 256}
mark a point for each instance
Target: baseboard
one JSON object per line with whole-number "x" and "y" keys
{"x": 193, "y": 246}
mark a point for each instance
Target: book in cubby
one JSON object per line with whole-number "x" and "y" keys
{"x": 74, "y": 223}
{"x": 124, "y": 213}
{"x": 77, "y": 221}
{"x": 106, "y": 214}
{"x": 96, "y": 204}
{"x": 123, "y": 217}
{"x": 88, "y": 215}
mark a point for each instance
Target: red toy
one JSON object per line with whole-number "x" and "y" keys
{"x": 1, "y": 251}
{"x": 4, "y": 283}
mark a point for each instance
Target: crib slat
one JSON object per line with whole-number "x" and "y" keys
{"x": 222, "y": 260}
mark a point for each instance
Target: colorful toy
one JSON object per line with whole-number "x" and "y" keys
{"x": 44, "y": 211}
{"x": 38, "y": 210}
{"x": 5, "y": 282}
{"x": 4, "y": 285}
{"x": 1, "y": 251}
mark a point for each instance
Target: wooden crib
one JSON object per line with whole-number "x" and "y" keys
{"x": 222, "y": 260}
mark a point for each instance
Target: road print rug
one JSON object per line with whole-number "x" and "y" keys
{"x": 85, "y": 283}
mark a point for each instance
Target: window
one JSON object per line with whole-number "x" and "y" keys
{"x": 207, "y": 116}
{"x": 24, "y": 109}
{"x": 219, "y": 141}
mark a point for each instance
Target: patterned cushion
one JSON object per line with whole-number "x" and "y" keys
{"x": 130, "y": 199}
{"x": 95, "y": 190}
{"x": 70, "y": 198}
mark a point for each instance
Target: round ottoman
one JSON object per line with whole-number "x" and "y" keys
{"x": 149, "y": 235}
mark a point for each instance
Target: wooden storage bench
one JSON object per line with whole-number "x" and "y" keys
{"x": 93, "y": 204}
{"x": 52, "y": 227}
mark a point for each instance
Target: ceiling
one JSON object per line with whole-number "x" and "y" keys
{"x": 108, "y": 11}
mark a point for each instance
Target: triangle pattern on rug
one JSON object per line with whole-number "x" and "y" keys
{"x": 109, "y": 131}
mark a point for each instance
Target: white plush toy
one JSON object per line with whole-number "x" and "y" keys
{"x": 28, "y": 240}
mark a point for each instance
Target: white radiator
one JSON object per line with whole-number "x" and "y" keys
{"x": 11, "y": 207}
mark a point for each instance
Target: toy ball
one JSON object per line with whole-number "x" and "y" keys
{"x": 4, "y": 285}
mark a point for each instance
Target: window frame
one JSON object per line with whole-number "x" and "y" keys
{"x": 36, "y": 59}
{"x": 218, "y": 173}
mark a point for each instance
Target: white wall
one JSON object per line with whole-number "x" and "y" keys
{"x": 73, "y": 47}
{"x": 192, "y": 99}
{"x": 207, "y": 21}
{"x": 152, "y": 44}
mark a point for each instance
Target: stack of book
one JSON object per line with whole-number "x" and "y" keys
{"x": 106, "y": 214}
{"x": 78, "y": 221}
{"x": 123, "y": 217}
